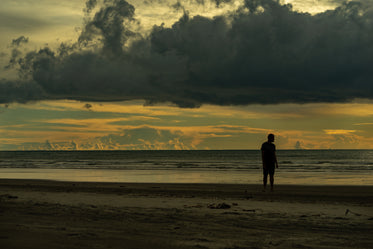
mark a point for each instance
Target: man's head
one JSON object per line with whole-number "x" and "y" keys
{"x": 271, "y": 138}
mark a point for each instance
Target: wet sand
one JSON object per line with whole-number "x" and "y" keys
{"x": 51, "y": 214}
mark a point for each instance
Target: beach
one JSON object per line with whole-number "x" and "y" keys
{"x": 56, "y": 214}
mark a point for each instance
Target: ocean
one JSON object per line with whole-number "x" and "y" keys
{"x": 307, "y": 167}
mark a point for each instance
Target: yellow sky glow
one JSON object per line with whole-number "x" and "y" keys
{"x": 314, "y": 126}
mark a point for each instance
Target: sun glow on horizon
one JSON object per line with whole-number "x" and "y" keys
{"x": 131, "y": 125}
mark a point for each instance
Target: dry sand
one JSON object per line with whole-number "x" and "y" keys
{"x": 49, "y": 214}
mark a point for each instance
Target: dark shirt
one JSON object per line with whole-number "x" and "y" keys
{"x": 268, "y": 150}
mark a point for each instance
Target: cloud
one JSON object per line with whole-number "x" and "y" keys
{"x": 339, "y": 132}
{"x": 143, "y": 138}
{"x": 20, "y": 91}
{"x": 16, "y": 54}
{"x": 298, "y": 145}
{"x": 20, "y": 40}
{"x": 218, "y": 3}
{"x": 364, "y": 124}
{"x": 108, "y": 24}
{"x": 264, "y": 53}
{"x": 88, "y": 106}
{"x": 90, "y": 4}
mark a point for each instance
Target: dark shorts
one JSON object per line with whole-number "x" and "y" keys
{"x": 269, "y": 170}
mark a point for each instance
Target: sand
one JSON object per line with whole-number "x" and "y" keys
{"x": 51, "y": 214}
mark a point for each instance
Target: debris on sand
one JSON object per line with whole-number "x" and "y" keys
{"x": 8, "y": 196}
{"x": 219, "y": 206}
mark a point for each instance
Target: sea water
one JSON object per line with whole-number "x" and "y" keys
{"x": 317, "y": 167}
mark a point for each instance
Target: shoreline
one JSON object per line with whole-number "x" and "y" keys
{"x": 76, "y": 215}
{"x": 283, "y": 192}
{"x": 187, "y": 176}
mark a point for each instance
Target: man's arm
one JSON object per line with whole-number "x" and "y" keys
{"x": 276, "y": 163}
{"x": 263, "y": 161}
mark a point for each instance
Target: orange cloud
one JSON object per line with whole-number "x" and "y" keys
{"x": 339, "y": 132}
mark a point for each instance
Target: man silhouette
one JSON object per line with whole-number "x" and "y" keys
{"x": 269, "y": 160}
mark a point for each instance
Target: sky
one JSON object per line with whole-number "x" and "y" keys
{"x": 194, "y": 74}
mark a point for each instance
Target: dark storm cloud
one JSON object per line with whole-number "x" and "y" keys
{"x": 219, "y": 2}
{"x": 90, "y": 4}
{"x": 20, "y": 40}
{"x": 20, "y": 91}
{"x": 264, "y": 53}
{"x": 178, "y": 5}
{"x": 16, "y": 54}
{"x": 108, "y": 23}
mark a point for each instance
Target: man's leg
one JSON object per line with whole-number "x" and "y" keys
{"x": 271, "y": 172}
{"x": 272, "y": 180}
{"x": 265, "y": 176}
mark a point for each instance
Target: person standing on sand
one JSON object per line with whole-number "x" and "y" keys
{"x": 269, "y": 161}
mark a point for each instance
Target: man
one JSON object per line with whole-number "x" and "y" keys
{"x": 269, "y": 160}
